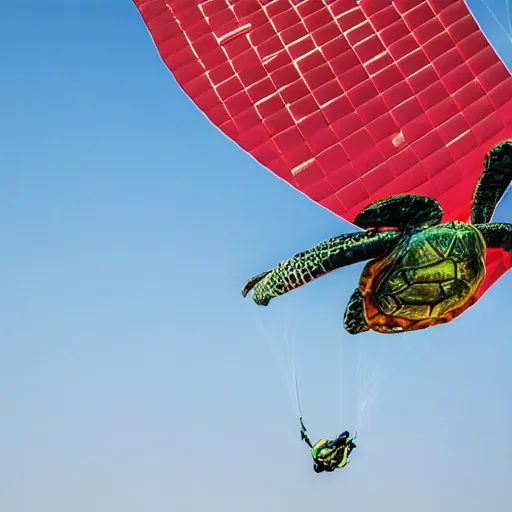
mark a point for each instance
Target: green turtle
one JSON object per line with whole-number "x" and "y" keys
{"x": 421, "y": 272}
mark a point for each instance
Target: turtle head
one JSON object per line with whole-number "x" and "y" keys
{"x": 261, "y": 288}
{"x": 261, "y": 295}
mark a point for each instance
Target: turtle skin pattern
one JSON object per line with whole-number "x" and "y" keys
{"x": 430, "y": 278}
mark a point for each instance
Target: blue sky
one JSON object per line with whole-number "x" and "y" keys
{"x": 133, "y": 376}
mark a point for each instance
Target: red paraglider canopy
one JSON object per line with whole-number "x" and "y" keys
{"x": 348, "y": 101}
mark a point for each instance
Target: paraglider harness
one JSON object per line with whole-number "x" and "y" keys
{"x": 329, "y": 455}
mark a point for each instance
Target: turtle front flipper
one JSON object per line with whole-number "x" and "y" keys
{"x": 493, "y": 182}
{"x": 497, "y": 235}
{"x": 354, "y": 321}
{"x": 400, "y": 211}
{"x": 327, "y": 256}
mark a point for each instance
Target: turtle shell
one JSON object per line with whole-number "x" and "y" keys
{"x": 430, "y": 278}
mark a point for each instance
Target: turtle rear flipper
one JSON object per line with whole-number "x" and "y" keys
{"x": 400, "y": 211}
{"x": 354, "y": 321}
{"x": 497, "y": 235}
{"x": 493, "y": 182}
